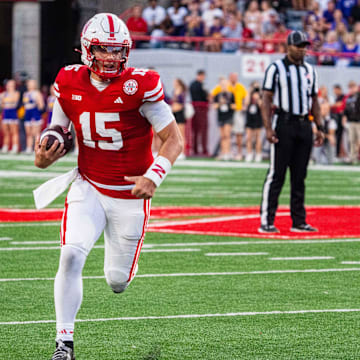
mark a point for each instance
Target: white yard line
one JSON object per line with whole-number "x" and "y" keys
{"x": 197, "y": 163}
{"x": 350, "y": 262}
{"x": 95, "y": 247}
{"x": 192, "y": 179}
{"x": 16, "y": 195}
{"x": 45, "y": 242}
{"x": 192, "y": 316}
{"x": 254, "y": 242}
{"x": 187, "y": 244}
{"x": 50, "y": 242}
{"x": 29, "y": 174}
{"x": 22, "y": 157}
{"x": 207, "y": 220}
{"x": 258, "y": 272}
{"x": 302, "y": 258}
{"x": 37, "y": 224}
{"x": 201, "y": 221}
{"x": 5, "y": 238}
{"x": 168, "y": 250}
{"x": 236, "y": 254}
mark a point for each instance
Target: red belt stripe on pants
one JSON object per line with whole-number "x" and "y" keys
{"x": 63, "y": 223}
{"x": 140, "y": 243}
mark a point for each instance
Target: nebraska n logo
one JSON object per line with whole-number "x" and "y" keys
{"x": 159, "y": 170}
{"x": 118, "y": 101}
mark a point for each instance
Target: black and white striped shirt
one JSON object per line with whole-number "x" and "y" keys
{"x": 293, "y": 85}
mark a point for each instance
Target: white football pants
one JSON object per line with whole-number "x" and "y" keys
{"x": 87, "y": 214}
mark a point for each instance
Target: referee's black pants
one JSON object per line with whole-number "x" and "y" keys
{"x": 293, "y": 150}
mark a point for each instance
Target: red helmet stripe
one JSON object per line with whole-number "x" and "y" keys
{"x": 111, "y": 25}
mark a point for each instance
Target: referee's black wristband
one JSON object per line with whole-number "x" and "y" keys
{"x": 320, "y": 128}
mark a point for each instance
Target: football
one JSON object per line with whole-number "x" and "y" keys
{"x": 60, "y": 133}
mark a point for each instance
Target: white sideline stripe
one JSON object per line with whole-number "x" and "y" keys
{"x": 208, "y": 220}
{"x": 44, "y": 242}
{"x": 259, "y": 272}
{"x": 32, "y": 248}
{"x": 236, "y": 254}
{"x": 150, "y": 246}
{"x": 191, "y": 316}
{"x": 303, "y": 258}
{"x": 5, "y": 238}
{"x": 201, "y": 221}
{"x": 261, "y": 242}
{"x": 21, "y": 224}
{"x": 351, "y": 262}
{"x": 34, "y": 242}
{"x": 200, "y": 163}
{"x": 95, "y": 247}
{"x": 168, "y": 250}
{"x": 28, "y": 174}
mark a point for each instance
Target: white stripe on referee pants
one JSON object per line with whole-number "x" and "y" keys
{"x": 269, "y": 179}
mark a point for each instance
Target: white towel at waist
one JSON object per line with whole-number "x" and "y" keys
{"x": 47, "y": 192}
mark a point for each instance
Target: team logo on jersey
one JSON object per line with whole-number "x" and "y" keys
{"x": 130, "y": 87}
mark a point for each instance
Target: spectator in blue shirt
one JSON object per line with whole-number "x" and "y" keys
{"x": 328, "y": 14}
{"x": 232, "y": 29}
{"x": 338, "y": 18}
{"x": 345, "y": 6}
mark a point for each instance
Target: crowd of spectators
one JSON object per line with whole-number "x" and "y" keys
{"x": 26, "y": 110}
{"x": 333, "y": 26}
{"x": 240, "y": 126}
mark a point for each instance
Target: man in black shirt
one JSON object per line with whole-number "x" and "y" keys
{"x": 290, "y": 85}
{"x": 337, "y": 111}
{"x": 199, "y": 97}
{"x": 351, "y": 119}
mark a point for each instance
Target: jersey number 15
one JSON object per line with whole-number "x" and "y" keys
{"x": 100, "y": 119}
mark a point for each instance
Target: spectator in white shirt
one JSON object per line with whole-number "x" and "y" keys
{"x": 210, "y": 14}
{"x": 177, "y": 14}
{"x": 153, "y": 14}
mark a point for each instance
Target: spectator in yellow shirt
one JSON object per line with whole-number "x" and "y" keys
{"x": 240, "y": 94}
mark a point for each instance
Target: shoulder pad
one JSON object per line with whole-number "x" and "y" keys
{"x": 67, "y": 75}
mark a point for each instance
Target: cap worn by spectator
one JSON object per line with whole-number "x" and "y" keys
{"x": 297, "y": 38}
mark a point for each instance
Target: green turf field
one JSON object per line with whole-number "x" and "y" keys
{"x": 185, "y": 304}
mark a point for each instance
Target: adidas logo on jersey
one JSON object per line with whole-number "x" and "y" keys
{"x": 118, "y": 101}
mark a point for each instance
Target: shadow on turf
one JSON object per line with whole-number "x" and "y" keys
{"x": 153, "y": 354}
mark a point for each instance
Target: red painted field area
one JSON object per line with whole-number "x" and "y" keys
{"x": 332, "y": 221}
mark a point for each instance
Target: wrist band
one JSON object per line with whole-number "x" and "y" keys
{"x": 158, "y": 170}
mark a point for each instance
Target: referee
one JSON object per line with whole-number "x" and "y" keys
{"x": 289, "y": 95}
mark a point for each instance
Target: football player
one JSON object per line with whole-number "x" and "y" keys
{"x": 113, "y": 109}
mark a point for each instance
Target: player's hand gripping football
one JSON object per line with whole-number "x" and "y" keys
{"x": 43, "y": 157}
{"x": 144, "y": 188}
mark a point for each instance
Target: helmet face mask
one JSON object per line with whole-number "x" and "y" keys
{"x": 109, "y": 61}
{"x": 105, "y": 45}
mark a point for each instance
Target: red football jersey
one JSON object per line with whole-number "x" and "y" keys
{"x": 114, "y": 138}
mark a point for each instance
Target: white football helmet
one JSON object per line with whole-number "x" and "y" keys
{"x": 104, "y": 34}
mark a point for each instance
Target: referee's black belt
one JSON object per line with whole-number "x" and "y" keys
{"x": 289, "y": 116}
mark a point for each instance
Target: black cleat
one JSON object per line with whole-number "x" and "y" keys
{"x": 268, "y": 229}
{"x": 63, "y": 352}
{"x": 303, "y": 228}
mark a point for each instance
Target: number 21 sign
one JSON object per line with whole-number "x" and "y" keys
{"x": 254, "y": 66}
